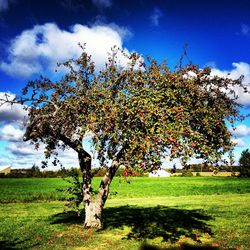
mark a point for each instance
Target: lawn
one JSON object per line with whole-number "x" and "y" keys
{"x": 168, "y": 213}
{"x": 45, "y": 189}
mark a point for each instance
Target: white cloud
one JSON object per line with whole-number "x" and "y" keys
{"x": 11, "y": 113}
{"x": 37, "y": 50}
{"x": 102, "y": 3}
{"x": 11, "y": 133}
{"x": 239, "y": 142}
{"x": 240, "y": 68}
{"x": 155, "y": 17}
{"x": 241, "y": 131}
{"x": 245, "y": 29}
{"x": 21, "y": 154}
{"x": 20, "y": 149}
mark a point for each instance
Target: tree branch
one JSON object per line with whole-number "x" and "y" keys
{"x": 23, "y": 100}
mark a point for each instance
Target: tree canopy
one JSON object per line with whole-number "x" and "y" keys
{"x": 135, "y": 115}
{"x": 145, "y": 110}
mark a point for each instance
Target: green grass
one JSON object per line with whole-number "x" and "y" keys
{"x": 31, "y": 189}
{"x": 179, "y": 186}
{"x": 171, "y": 213}
{"x": 38, "y": 189}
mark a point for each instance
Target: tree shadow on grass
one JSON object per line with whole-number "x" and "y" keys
{"x": 161, "y": 221}
{"x": 4, "y": 245}
{"x": 12, "y": 244}
{"x": 68, "y": 217}
{"x": 149, "y": 222}
{"x": 183, "y": 247}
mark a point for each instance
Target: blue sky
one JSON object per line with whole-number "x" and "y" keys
{"x": 35, "y": 35}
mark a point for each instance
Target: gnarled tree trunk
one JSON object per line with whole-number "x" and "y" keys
{"x": 94, "y": 208}
{"x": 93, "y": 215}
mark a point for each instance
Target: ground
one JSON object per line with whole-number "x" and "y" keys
{"x": 171, "y": 213}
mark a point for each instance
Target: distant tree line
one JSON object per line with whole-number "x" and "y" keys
{"x": 36, "y": 172}
{"x": 98, "y": 172}
{"x": 211, "y": 168}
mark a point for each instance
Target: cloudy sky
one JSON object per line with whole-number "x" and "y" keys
{"x": 35, "y": 35}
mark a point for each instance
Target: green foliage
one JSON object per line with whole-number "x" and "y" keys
{"x": 143, "y": 111}
{"x": 74, "y": 192}
{"x": 245, "y": 163}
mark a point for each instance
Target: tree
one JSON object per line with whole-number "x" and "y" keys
{"x": 245, "y": 163}
{"x": 136, "y": 116}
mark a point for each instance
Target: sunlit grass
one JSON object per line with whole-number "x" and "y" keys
{"x": 38, "y": 189}
{"x": 170, "y": 220}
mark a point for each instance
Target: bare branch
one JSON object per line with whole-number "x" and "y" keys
{"x": 24, "y": 100}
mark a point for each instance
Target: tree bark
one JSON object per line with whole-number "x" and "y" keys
{"x": 93, "y": 215}
{"x": 93, "y": 209}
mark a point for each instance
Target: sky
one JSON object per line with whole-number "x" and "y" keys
{"x": 35, "y": 35}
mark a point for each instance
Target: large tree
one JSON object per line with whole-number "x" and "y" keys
{"x": 245, "y": 163}
{"x": 136, "y": 115}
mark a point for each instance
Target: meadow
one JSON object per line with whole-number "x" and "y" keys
{"x": 164, "y": 213}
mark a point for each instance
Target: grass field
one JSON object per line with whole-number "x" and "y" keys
{"x": 168, "y": 213}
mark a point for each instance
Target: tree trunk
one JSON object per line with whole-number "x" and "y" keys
{"x": 93, "y": 213}
{"x": 93, "y": 209}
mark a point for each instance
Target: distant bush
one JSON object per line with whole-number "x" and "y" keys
{"x": 98, "y": 172}
{"x": 215, "y": 172}
{"x": 187, "y": 173}
{"x": 233, "y": 174}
